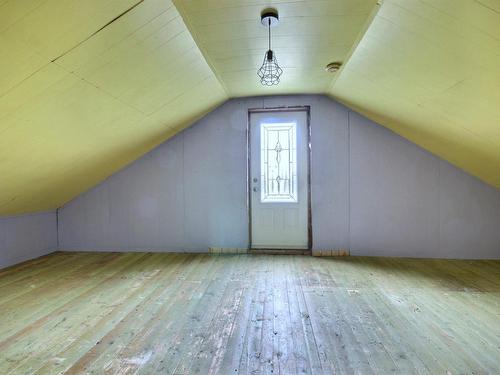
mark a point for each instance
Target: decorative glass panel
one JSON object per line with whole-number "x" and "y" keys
{"x": 278, "y": 162}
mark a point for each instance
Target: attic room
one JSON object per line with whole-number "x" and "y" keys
{"x": 250, "y": 187}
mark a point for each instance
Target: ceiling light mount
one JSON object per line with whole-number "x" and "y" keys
{"x": 269, "y": 17}
{"x": 270, "y": 72}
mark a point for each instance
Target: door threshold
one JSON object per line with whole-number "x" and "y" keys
{"x": 280, "y": 251}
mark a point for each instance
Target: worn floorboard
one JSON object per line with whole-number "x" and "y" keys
{"x": 150, "y": 313}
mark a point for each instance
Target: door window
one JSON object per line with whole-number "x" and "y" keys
{"x": 278, "y": 162}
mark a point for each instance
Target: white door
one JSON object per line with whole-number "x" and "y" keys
{"x": 279, "y": 150}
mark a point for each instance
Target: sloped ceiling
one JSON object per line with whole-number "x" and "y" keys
{"x": 88, "y": 86}
{"x": 430, "y": 71}
{"x": 310, "y": 34}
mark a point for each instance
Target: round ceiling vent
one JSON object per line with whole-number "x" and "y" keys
{"x": 333, "y": 67}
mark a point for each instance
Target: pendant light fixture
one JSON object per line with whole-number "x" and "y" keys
{"x": 270, "y": 72}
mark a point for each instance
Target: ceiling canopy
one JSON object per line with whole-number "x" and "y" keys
{"x": 89, "y": 86}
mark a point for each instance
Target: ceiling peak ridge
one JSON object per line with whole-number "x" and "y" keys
{"x": 190, "y": 28}
{"x": 359, "y": 38}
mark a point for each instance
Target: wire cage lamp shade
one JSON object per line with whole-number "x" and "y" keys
{"x": 270, "y": 72}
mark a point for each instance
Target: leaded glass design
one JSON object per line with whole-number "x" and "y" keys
{"x": 278, "y": 162}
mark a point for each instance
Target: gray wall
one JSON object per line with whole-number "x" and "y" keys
{"x": 27, "y": 236}
{"x": 373, "y": 192}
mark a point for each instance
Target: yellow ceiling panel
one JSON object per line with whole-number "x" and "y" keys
{"x": 17, "y": 62}
{"x": 233, "y": 8}
{"x": 147, "y": 64}
{"x": 430, "y": 70}
{"x": 53, "y": 27}
{"x": 35, "y": 32}
{"x": 310, "y": 35}
{"x": 246, "y": 84}
{"x": 27, "y": 90}
{"x": 111, "y": 95}
{"x": 139, "y": 25}
{"x": 11, "y": 11}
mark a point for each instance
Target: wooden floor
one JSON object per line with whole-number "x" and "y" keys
{"x": 112, "y": 313}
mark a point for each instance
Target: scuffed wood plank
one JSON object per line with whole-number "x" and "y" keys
{"x": 113, "y": 313}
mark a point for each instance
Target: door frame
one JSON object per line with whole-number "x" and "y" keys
{"x": 307, "y": 110}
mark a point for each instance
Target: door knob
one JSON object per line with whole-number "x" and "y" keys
{"x": 255, "y": 189}
{"x": 255, "y": 179}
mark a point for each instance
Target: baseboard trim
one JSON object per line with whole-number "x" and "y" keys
{"x": 331, "y": 253}
{"x": 227, "y": 250}
{"x": 280, "y": 251}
